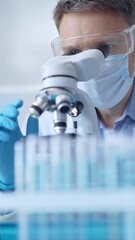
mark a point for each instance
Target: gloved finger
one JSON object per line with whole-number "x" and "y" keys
{"x": 8, "y": 123}
{"x": 17, "y": 103}
{"x": 5, "y": 135}
{"x": 10, "y": 111}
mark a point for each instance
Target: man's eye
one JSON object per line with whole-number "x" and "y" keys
{"x": 71, "y": 52}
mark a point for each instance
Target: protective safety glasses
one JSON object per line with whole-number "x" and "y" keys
{"x": 121, "y": 42}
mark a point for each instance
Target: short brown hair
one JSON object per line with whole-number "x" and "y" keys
{"x": 125, "y": 8}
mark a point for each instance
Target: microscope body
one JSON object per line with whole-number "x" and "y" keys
{"x": 61, "y": 95}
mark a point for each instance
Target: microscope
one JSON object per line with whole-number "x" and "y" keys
{"x": 61, "y": 96}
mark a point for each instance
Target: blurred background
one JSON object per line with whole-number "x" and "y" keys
{"x": 26, "y": 31}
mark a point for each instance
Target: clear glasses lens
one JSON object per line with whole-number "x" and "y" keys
{"x": 118, "y": 43}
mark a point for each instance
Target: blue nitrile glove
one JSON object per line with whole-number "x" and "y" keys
{"x": 9, "y": 134}
{"x": 8, "y": 120}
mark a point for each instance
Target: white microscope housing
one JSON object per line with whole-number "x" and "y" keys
{"x": 61, "y": 95}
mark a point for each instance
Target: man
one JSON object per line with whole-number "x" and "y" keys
{"x": 84, "y": 25}
{"x": 89, "y": 24}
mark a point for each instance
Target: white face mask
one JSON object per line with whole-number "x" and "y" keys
{"x": 111, "y": 84}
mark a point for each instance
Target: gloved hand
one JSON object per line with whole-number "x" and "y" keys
{"x": 8, "y": 120}
{"x": 9, "y": 134}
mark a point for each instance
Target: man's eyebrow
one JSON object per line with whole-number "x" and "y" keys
{"x": 93, "y": 44}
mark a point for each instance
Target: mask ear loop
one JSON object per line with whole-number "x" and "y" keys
{"x": 132, "y": 38}
{"x": 132, "y": 60}
{"x": 131, "y": 34}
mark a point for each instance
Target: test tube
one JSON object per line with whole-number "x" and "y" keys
{"x": 43, "y": 168}
{"x": 20, "y": 151}
{"x": 81, "y": 154}
{"x": 31, "y": 147}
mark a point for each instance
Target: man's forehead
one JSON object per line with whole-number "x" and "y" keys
{"x": 74, "y": 24}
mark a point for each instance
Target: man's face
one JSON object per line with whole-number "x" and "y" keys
{"x": 89, "y": 23}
